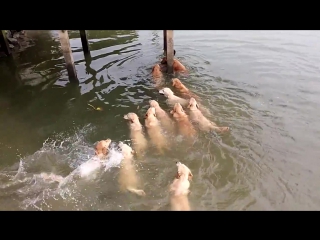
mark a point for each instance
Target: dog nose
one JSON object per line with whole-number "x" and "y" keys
{"x": 176, "y": 162}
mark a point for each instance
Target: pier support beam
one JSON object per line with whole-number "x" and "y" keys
{"x": 84, "y": 41}
{"x": 4, "y": 43}
{"x": 165, "y": 42}
{"x": 67, "y": 53}
{"x": 168, "y": 34}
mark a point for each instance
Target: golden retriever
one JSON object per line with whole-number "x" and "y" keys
{"x": 172, "y": 99}
{"x": 177, "y": 66}
{"x": 102, "y": 148}
{"x": 185, "y": 126}
{"x": 203, "y": 123}
{"x": 156, "y": 72}
{"x": 163, "y": 117}
{"x": 177, "y": 84}
{"x": 157, "y": 76}
{"x": 137, "y": 136}
{"x": 128, "y": 179}
{"x": 179, "y": 189}
{"x": 154, "y": 130}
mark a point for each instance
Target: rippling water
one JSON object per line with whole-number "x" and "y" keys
{"x": 263, "y": 84}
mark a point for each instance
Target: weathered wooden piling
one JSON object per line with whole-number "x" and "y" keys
{"x": 84, "y": 41}
{"x": 165, "y": 41}
{"x": 168, "y": 34}
{"x": 4, "y": 43}
{"x": 67, "y": 53}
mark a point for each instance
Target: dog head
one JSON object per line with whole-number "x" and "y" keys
{"x": 193, "y": 105}
{"x": 153, "y": 103}
{"x": 156, "y": 68}
{"x": 183, "y": 172}
{"x": 102, "y": 147}
{"x": 176, "y": 83}
{"x": 177, "y": 108}
{"x": 126, "y": 150}
{"x": 151, "y": 113}
{"x": 166, "y": 92}
{"x": 132, "y": 117}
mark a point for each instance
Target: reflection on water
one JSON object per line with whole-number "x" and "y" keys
{"x": 263, "y": 84}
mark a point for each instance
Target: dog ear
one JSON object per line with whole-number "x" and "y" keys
{"x": 189, "y": 106}
{"x": 190, "y": 176}
{"x": 153, "y": 68}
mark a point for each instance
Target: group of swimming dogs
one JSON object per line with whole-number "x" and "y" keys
{"x": 157, "y": 123}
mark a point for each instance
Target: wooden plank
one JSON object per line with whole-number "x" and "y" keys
{"x": 4, "y": 43}
{"x": 84, "y": 41}
{"x": 67, "y": 53}
{"x": 165, "y": 42}
{"x": 169, "y": 51}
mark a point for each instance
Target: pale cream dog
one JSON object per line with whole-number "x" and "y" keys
{"x": 163, "y": 117}
{"x": 172, "y": 99}
{"x": 102, "y": 148}
{"x": 179, "y": 189}
{"x": 185, "y": 126}
{"x": 138, "y": 139}
{"x": 154, "y": 130}
{"x": 128, "y": 179}
{"x": 203, "y": 123}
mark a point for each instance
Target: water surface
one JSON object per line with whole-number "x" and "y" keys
{"x": 263, "y": 84}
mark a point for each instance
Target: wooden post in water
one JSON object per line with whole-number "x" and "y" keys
{"x": 169, "y": 50}
{"x": 67, "y": 53}
{"x": 165, "y": 42}
{"x": 84, "y": 41}
{"x": 4, "y": 43}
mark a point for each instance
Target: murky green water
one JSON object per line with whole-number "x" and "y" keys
{"x": 263, "y": 84}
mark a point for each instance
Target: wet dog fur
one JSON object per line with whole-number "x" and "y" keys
{"x": 128, "y": 179}
{"x": 179, "y": 189}
{"x": 137, "y": 136}
{"x": 197, "y": 117}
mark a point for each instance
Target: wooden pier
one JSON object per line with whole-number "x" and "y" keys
{"x": 67, "y": 52}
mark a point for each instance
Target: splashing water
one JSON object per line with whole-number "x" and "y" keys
{"x": 36, "y": 182}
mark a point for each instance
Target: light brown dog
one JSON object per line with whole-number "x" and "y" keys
{"x": 185, "y": 126}
{"x": 154, "y": 130}
{"x": 163, "y": 117}
{"x": 177, "y": 66}
{"x": 177, "y": 84}
{"x": 179, "y": 189}
{"x": 102, "y": 148}
{"x": 137, "y": 136}
{"x": 157, "y": 76}
{"x": 172, "y": 99}
{"x": 156, "y": 72}
{"x": 203, "y": 123}
{"x": 128, "y": 179}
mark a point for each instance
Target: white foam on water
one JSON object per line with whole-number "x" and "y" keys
{"x": 113, "y": 160}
